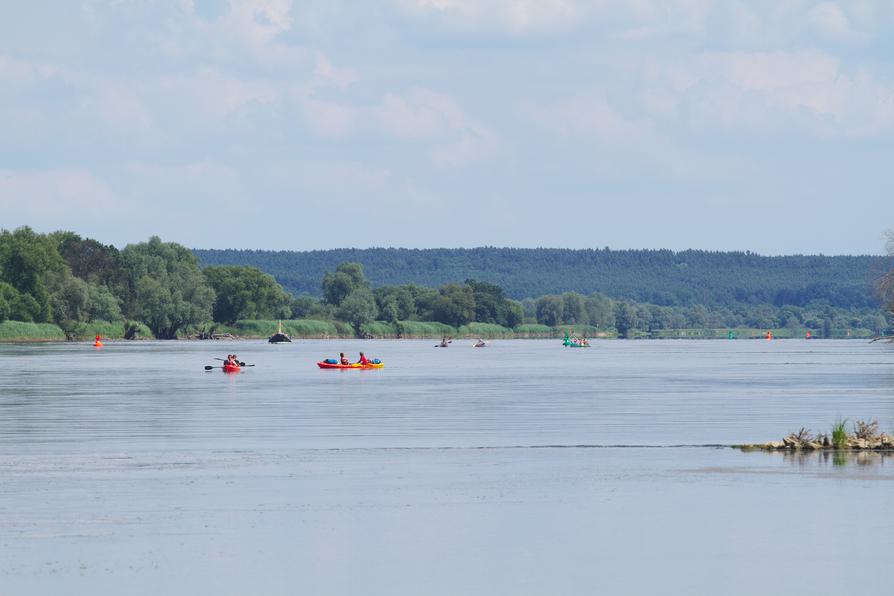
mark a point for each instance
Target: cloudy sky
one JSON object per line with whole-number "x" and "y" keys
{"x": 759, "y": 125}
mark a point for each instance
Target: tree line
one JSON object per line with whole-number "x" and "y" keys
{"x": 660, "y": 277}
{"x": 72, "y": 281}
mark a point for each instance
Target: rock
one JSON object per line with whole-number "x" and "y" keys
{"x": 887, "y": 441}
{"x": 826, "y": 442}
{"x": 855, "y": 443}
{"x": 775, "y": 445}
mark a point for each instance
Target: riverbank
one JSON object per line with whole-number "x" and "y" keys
{"x": 19, "y": 332}
{"x": 22, "y": 332}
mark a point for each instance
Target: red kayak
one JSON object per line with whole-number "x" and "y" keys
{"x": 227, "y": 367}
{"x": 354, "y": 365}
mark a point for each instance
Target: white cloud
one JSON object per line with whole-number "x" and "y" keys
{"x": 456, "y": 138}
{"x": 55, "y": 195}
{"x": 18, "y": 75}
{"x": 588, "y": 115}
{"x": 515, "y": 16}
{"x": 775, "y": 91}
{"x": 211, "y": 94}
{"x": 830, "y": 21}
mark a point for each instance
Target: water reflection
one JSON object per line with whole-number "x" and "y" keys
{"x": 836, "y": 458}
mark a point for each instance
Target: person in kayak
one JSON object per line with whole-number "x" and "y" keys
{"x": 342, "y": 359}
{"x": 363, "y": 361}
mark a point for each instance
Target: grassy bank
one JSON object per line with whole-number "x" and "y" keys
{"x": 16, "y": 331}
{"x": 19, "y": 331}
{"x": 308, "y": 328}
{"x": 751, "y": 333}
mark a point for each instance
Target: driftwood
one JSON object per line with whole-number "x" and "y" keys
{"x": 208, "y": 335}
{"x": 882, "y": 338}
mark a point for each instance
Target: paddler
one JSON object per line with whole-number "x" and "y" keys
{"x": 342, "y": 359}
{"x": 363, "y": 361}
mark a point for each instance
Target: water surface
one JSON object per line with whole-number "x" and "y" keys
{"x": 521, "y": 468}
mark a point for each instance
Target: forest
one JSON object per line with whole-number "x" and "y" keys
{"x": 167, "y": 291}
{"x": 659, "y": 277}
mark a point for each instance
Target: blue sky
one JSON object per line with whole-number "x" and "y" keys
{"x": 764, "y": 126}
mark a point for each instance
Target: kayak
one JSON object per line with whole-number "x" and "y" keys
{"x": 354, "y": 365}
{"x": 231, "y": 367}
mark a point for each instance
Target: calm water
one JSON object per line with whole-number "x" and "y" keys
{"x": 522, "y": 468}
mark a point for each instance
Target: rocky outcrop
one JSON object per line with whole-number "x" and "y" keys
{"x": 865, "y": 437}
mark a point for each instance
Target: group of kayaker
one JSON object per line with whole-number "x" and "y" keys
{"x": 575, "y": 341}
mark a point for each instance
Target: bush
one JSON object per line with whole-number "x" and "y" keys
{"x": 839, "y": 434}
{"x": 488, "y": 330}
{"x": 421, "y": 329}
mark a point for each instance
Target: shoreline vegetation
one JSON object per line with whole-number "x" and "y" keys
{"x": 864, "y": 436}
{"x": 71, "y": 287}
{"x": 27, "y": 332}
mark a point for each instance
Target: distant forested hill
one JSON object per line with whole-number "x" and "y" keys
{"x": 657, "y": 276}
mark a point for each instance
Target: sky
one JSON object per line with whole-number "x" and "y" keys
{"x": 737, "y": 125}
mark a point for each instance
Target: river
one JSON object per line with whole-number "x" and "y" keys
{"x": 520, "y": 468}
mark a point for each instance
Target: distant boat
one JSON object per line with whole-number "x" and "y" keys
{"x": 279, "y": 337}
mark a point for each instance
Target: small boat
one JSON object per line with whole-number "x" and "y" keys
{"x": 372, "y": 364}
{"x": 480, "y": 344}
{"x": 231, "y": 368}
{"x": 574, "y": 342}
{"x": 279, "y": 337}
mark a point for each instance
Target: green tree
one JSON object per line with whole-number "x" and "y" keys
{"x": 358, "y": 308}
{"x": 347, "y": 278}
{"x": 424, "y": 301}
{"x": 246, "y": 293}
{"x": 549, "y": 310}
{"x": 454, "y": 305}
{"x": 170, "y": 291}
{"x": 515, "y": 314}
{"x": 91, "y": 260}
{"x": 401, "y": 297}
{"x": 70, "y": 303}
{"x": 573, "y": 310}
{"x": 5, "y": 290}
{"x": 388, "y": 309}
{"x": 884, "y": 285}
{"x": 600, "y": 311}
{"x": 306, "y": 307}
{"x": 625, "y": 319}
{"x": 102, "y": 304}
{"x": 25, "y": 260}
{"x": 490, "y": 302}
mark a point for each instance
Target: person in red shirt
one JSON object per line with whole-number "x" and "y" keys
{"x": 363, "y": 359}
